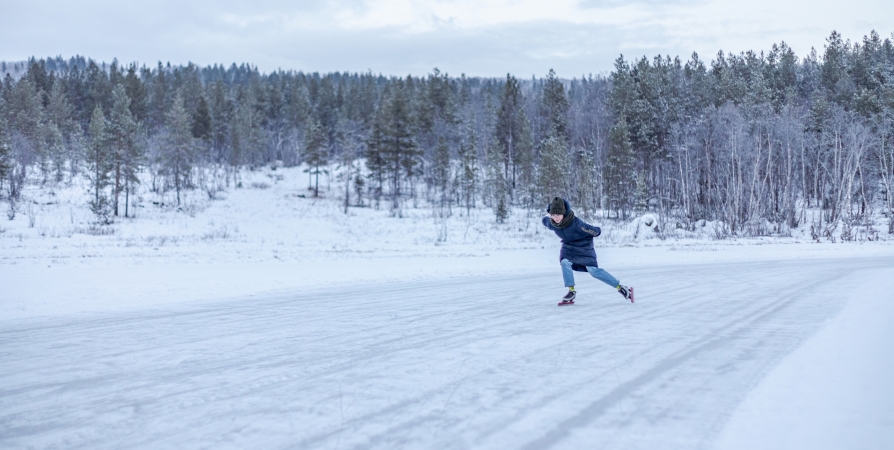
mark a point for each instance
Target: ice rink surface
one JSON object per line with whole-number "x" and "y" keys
{"x": 470, "y": 362}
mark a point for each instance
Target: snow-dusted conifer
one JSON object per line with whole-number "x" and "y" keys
{"x": 553, "y": 173}
{"x": 100, "y": 164}
{"x": 467, "y": 173}
{"x": 618, "y": 173}
{"x": 178, "y": 151}
{"x": 316, "y": 155}
{"x": 5, "y": 151}
{"x": 554, "y": 107}
{"x": 398, "y": 146}
{"x": 512, "y": 134}
{"x": 375, "y": 160}
{"x": 125, "y": 146}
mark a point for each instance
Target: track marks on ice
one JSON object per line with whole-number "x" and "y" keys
{"x": 420, "y": 364}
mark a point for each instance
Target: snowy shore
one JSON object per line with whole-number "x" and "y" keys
{"x": 275, "y": 320}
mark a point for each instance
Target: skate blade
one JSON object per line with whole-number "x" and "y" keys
{"x": 566, "y": 303}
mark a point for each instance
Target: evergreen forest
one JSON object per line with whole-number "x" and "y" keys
{"x": 761, "y": 142}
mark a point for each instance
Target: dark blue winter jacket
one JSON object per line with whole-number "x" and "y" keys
{"x": 577, "y": 240}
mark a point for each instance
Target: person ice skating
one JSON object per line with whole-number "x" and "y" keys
{"x": 577, "y": 252}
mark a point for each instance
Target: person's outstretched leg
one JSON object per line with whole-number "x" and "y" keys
{"x": 603, "y": 276}
{"x": 567, "y": 273}
{"x": 607, "y": 278}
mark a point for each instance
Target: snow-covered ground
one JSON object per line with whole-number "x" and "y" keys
{"x": 268, "y": 319}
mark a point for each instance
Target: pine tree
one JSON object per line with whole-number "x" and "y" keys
{"x": 59, "y": 116}
{"x": 618, "y": 171}
{"x": 359, "y": 187}
{"x": 201, "y": 121}
{"x": 584, "y": 184}
{"x": 375, "y": 159}
{"x": 524, "y": 162}
{"x": 99, "y": 167}
{"x": 298, "y": 107}
{"x": 26, "y": 117}
{"x": 136, "y": 92}
{"x": 159, "y": 98}
{"x": 398, "y": 146}
{"x": 513, "y": 136}
{"x": 553, "y": 176}
{"x": 122, "y": 133}
{"x": 202, "y": 132}
{"x": 221, "y": 115}
{"x": 5, "y": 150}
{"x": 497, "y": 185}
{"x": 349, "y": 141}
{"x": 641, "y": 192}
{"x": 440, "y": 173}
{"x": 53, "y": 144}
{"x": 315, "y": 153}
{"x": 327, "y": 113}
{"x": 248, "y": 137}
{"x": 467, "y": 176}
{"x": 178, "y": 153}
{"x": 98, "y": 90}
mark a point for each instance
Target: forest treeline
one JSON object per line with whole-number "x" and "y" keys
{"x": 759, "y": 143}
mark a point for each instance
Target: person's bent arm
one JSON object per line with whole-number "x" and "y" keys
{"x": 590, "y": 229}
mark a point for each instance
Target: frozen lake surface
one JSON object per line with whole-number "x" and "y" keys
{"x": 472, "y": 362}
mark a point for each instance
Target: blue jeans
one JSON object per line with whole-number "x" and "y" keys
{"x": 597, "y": 273}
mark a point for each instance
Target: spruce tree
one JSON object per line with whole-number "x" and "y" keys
{"x": 5, "y": 150}
{"x": 618, "y": 170}
{"x": 53, "y": 144}
{"x": 315, "y": 153}
{"x": 497, "y": 186}
{"x": 327, "y": 113}
{"x": 60, "y": 126}
{"x": 554, "y": 107}
{"x": 178, "y": 152}
{"x": 248, "y": 137}
{"x": 298, "y": 108}
{"x": 159, "y": 97}
{"x": 398, "y": 145}
{"x": 359, "y": 187}
{"x": 26, "y": 117}
{"x": 349, "y": 141}
{"x": 440, "y": 173}
{"x": 201, "y": 121}
{"x": 524, "y": 161}
{"x": 467, "y": 174}
{"x": 126, "y": 151}
{"x": 553, "y": 174}
{"x": 375, "y": 159}
{"x": 221, "y": 114}
{"x": 584, "y": 184}
{"x": 513, "y": 136}
{"x": 100, "y": 165}
{"x": 97, "y": 87}
{"x": 136, "y": 91}
{"x": 202, "y": 132}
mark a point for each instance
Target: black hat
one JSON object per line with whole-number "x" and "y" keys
{"x": 557, "y": 206}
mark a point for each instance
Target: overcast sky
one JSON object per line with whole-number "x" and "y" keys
{"x": 398, "y": 37}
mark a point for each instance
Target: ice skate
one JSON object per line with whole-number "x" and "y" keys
{"x": 568, "y": 299}
{"x": 626, "y": 291}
